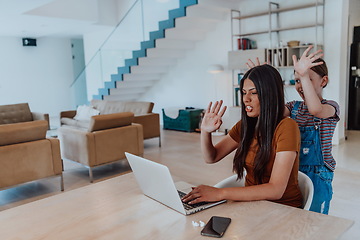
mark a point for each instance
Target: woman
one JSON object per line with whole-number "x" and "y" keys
{"x": 266, "y": 143}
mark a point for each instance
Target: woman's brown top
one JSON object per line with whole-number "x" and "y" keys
{"x": 286, "y": 138}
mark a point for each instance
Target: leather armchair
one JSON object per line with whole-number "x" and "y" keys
{"x": 105, "y": 141}
{"x": 27, "y": 155}
{"x": 142, "y": 114}
{"x": 14, "y": 113}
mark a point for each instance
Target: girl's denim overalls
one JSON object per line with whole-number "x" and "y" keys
{"x": 312, "y": 164}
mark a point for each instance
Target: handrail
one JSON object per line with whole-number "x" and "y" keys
{"x": 105, "y": 41}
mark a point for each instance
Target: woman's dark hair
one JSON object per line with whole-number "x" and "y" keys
{"x": 270, "y": 90}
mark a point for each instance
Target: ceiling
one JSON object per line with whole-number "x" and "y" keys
{"x": 56, "y": 18}
{"x": 63, "y": 18}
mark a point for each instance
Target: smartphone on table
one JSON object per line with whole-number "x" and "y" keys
{"x": 216, "y": 226}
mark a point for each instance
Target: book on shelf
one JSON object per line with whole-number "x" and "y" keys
{"x": 237, "y": 91}
{"x": 246, "y": 43}
{"x": 240, "y": 76}
{"x": 237, "y": 95}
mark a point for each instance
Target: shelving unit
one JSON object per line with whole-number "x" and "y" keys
{"x": 277, "y": 11}
{"x": 282, "y": 57}
{"x": 277, "y": 54}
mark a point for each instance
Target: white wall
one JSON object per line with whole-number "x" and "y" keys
{"x": 38, "y": 75}
{"x": 78, "y": 62}
{"x": 336, "y": 32}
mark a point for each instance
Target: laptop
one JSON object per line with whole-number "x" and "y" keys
{"x": 156, "y": 182}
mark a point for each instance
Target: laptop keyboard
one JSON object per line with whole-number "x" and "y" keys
{"x": 188, "y": 206}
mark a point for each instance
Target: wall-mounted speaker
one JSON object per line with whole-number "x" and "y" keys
{"x": 29, "y": 42}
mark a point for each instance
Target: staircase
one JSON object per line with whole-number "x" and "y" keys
{"x": 185, "y": 26}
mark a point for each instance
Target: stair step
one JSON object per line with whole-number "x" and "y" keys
{"x": 176, "y": 13}
{"x": 110, "y": 84}
{"x": 170, "y": 23}
{"x": 187, "y": 3}
{"x": 219, "y": 5}
{"x": 103, "y": 91}
{"x": 134, "y": 84}
{"x": 131, "y": 62}
{"x": 98, "y": 97}
{"x": 147, "y": 44}
{"x": 185, "y": 34}
{"x": 148, "y": 69}
{"x": 147, "y": 61}
{"x": 129, "y": 97}
{"x": 141, "y": 77}
{"x": 165, "y": 53}
{"x": 197, "y": 11}
{"x": 157, "y": 34}
{"x": 126, "y": 91}
{"x": 199, "y": 23}
{"x": 122, "y": 70}
{"x": 174, "y": 43}
{"x": 139, "y": 53}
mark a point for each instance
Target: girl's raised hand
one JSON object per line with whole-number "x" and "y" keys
{"x": 303, "y": 65}
{"x": 250, "y": 64}
{"x": 212, "y": 118}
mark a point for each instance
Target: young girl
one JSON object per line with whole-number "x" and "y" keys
{"x": 317, "y": 119}
{"x": 266, "y": 143}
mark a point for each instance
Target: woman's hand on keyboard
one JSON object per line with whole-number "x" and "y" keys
{"x": 203, "y": 193}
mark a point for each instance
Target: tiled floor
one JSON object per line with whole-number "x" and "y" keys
{"x": 346, "y": 185}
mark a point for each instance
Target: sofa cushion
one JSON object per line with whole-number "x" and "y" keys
{"x": 22, "y": 132}
{"x": 113, "y": 107}
{"x": 84, "y": 113}
{"x": 99, "y": 105}
{"x": 15, "y": 113}
{"x": 139, "y": 108}
{"x": 108, "y": 107}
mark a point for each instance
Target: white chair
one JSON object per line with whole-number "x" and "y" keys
{"x": 231, "y": 182}
{"x": 307, "y": 190}
{"x": 305, "y": 184}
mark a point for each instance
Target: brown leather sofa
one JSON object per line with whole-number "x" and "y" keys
{"x": 15, "y": 113}
{"x": 142, "y": 112}
{"x": 105, "y": 141}
{"x": 27, "y": 155}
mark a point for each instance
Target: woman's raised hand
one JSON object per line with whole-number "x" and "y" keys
{"x": 306, "y": 61}
{"x": 212, "y": 118}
